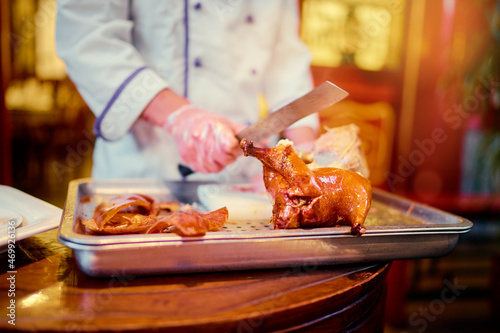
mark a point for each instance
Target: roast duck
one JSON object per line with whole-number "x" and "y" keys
{"x": 309, "y": 198}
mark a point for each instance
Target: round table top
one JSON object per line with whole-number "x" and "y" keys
{"x": 52, "y": 294}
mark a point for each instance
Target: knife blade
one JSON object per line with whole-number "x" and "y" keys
{"x": 319, "y": 98}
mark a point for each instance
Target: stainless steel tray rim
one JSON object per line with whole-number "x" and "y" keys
{"x": 184, "y": 241}
{"x": 99, "y": 240}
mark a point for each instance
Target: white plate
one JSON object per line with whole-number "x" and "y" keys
{"x": 9, "y": 218}
{"x": 36, "y": 215}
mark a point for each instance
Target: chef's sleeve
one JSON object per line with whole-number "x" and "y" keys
{"x": 288, "y": 75}
{"x": 94, "y": 39}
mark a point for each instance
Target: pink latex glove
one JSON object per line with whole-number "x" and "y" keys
{"x": 206, "y": 142}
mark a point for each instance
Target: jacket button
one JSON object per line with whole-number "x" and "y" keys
{"x": 197, "y": 6}
{"x": 253, "y": 71}
{"x": 197, "y": 62}
{"x": 249, "y": 19}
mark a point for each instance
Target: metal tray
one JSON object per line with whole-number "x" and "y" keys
{"x": 396, "y": 228}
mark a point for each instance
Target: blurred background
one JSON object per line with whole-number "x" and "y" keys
{"x": 424, "y": 84}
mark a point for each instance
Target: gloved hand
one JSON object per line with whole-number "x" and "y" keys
{"x": 206, "y": 142}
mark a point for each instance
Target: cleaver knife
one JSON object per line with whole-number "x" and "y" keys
{"x": 319, "y": 98}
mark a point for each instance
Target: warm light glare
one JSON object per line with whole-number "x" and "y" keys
{"x": 321, "y": 20}
{"x": 48, "y": 66}
{"x": 366, "y": 33}
{"x": 33, "y": 300}
{"x": 374, "y": 33}
{"x": 449, "y": 7}
{"x": 30, "y": 94}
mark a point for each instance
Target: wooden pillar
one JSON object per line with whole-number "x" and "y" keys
{"x": 5, "y": 123}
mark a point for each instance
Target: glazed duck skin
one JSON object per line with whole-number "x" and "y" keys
{"x": 322, "y": 197}
{"x": 137, "y": 213}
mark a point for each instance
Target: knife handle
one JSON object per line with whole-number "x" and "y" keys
{"x": 184, "y": 171}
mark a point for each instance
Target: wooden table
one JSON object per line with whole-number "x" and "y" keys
{"x": 53, "y": 295}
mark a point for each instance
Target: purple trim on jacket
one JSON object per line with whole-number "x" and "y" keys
{"x": 186, "y": 47}
{"x": 98, "y": 120}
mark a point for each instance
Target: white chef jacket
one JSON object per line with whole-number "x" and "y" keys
{"x": 219, "y": 54}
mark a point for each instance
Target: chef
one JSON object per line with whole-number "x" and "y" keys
{"x": 171, "y": 82}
